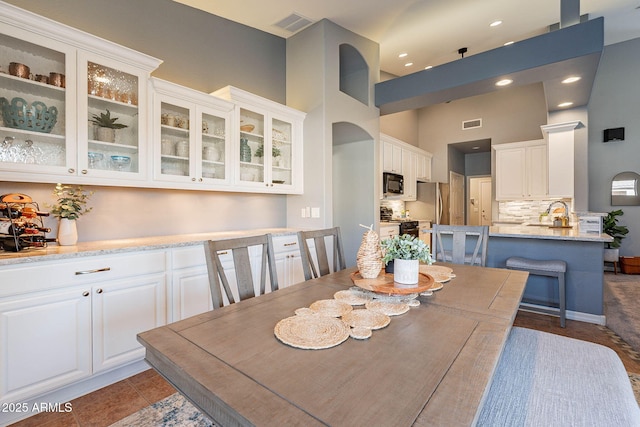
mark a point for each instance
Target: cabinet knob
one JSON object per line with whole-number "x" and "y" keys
{"x": 85, "y": 294}
{"x": 84, "y": 171}
{"x": 99, "y": 291}
{"x": 193, "y": 179}
{"x": 200, "y": 179}
{"x": 71, "y": 170}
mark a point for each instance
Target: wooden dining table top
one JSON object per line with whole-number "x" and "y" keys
{"x": 430, "y": 366}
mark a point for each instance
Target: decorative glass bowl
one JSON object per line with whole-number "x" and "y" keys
{"x": 17, "y": 114}
{"x": 120, "y": 162}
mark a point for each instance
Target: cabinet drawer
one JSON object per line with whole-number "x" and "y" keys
{"x": 191, "y": 256}
{"x": 285, "y": 243}
{"x": 54, "y": 274}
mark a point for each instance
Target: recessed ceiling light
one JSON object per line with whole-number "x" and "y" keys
{"x": 565, "y": 104}
{"x": 571, "y": 79}
{"x": 428, "y": 67}
{"x": 495, "y": 23}
{"x": 408, "y": 64}
{"x": 509, "y": 43}
{"x": 402, "y": 55}
{"x": 504, "y": 82}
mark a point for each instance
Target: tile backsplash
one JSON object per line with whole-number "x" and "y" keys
{"x": 526, "y": 210}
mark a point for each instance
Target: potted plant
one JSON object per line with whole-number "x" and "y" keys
{"x": 106, "y": 126}
{"x": 618, "y": 232}
{"x": 70, "y": 205}
{"x": 406, "y": 252}
{"x": 275, "y": 152}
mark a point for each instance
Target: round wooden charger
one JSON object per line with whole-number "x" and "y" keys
{"x": 384, "y": 284}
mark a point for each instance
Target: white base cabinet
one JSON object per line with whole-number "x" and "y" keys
{"x": 69, "y": 320}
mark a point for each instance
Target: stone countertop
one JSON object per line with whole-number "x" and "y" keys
{"x": 545, "y": 232}
{"x": 105, "y": 247}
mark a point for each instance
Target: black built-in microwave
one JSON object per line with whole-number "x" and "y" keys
{"x": 392, "y": 183}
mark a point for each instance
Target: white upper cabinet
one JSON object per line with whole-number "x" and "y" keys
{"x": 268, "y": 137}
{"x": 407, "y": 160}
{"x": 521, "y": 170}
{"x": 58, "y": 79}
{"x": 191, "y": 137}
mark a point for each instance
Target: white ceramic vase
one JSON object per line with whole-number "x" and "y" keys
{"x": 406, "y": 271}
{"x": 67, "y": 232}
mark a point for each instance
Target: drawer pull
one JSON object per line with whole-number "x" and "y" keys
{"x": 97, "y": 270}
{"x": 291, "y": 244}
{"x": 99, "y": 291}
{"x": 85, "y": 294}
{"x": 223, "y": 253}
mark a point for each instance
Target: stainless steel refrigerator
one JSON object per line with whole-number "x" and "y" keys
{"x": 432, "y": 202}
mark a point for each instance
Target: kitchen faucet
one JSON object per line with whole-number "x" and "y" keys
{"x": 566, "y": 210}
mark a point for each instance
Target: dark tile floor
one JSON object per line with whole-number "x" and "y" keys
{"x": 115, "y": 402}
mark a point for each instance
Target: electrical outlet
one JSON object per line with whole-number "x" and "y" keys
{"x": 303, "y": 213}
{"x": 315, "y": 212}
{"x": 308, "y": 212}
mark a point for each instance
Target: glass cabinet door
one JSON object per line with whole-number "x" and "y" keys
{"x": 175, "y": 140}
{"x": 282, "y": 153}
{"x": 113, "y": 121}
{"x": 214, "y": 150}
{"x": 34, "y": 100}
{"x": 252, "y": 147}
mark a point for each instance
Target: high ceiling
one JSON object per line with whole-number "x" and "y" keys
{"x": 429, "y": 31}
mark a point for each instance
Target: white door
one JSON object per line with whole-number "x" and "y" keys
{"x": 456, "y": 190}
{"x": 485, "y": 201}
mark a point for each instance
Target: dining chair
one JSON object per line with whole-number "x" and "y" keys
{"x": 460, "y": 248}
{"x": 318, "y": 236}
{"x": 238, "y": 250}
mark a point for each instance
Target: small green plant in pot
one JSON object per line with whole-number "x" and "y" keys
{"x": 70, "y": 205}
{"x": 107, "y": 126}
{"x": 406, "y": 252}
{"x": 618, "y": 232}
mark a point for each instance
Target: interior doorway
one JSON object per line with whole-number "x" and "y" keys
{"x": 479, "y": 204}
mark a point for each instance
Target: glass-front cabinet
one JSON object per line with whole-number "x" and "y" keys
{"x": 190, "y": 136}
{"x": 270, "y": 143}
{"x": 36, "y": 125}
{"x": 73, "y": 105}
{"x": 113, "y": 122}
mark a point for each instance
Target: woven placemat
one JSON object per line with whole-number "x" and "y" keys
{"x": 331, "y": 307}
{"x": 312, "y": 332}
{"x": 351, "y": 297}
{"x": 388, "y": 308}
{"x": 366, "y": 318}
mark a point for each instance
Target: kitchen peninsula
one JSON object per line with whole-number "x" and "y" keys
{"x": 583, "y": 253}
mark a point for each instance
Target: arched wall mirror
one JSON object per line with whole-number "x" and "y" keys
{"x": 624, "y": 189}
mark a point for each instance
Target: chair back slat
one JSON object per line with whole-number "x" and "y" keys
{"x": 244, "y": 280}
{"x": 318, "y": 236}
{"x": 460, "y": 234}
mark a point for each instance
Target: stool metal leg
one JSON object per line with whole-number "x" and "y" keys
{"x": 562, "y": 295}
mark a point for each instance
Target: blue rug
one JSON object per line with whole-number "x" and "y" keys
{"x": 173, "y": 411}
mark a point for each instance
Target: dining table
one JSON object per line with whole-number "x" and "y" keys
{"x": 430, "y": 366}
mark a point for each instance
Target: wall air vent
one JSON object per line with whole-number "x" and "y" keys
{"x": 472, "y": 124}
{"x": 293, "y": 23}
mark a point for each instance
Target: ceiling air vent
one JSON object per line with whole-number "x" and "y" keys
{"x": 293, "y": 23}
{"x": 472, "y": 124}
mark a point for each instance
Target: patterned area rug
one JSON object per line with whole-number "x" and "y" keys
{"x": 173, "y": 411}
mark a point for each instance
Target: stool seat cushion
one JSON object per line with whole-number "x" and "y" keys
{"x": 555, "y": 266}
{"x": 544, "y": 380}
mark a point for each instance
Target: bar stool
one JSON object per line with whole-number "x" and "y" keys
{"x": 551, "y": 268}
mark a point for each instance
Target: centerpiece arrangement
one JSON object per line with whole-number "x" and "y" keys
{"x": 71, "y": 204}
{"x": 406, "y": 252}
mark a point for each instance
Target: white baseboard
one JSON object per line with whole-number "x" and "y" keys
{"x": 572, "y": 315}
{"x": 72, "y": 391}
